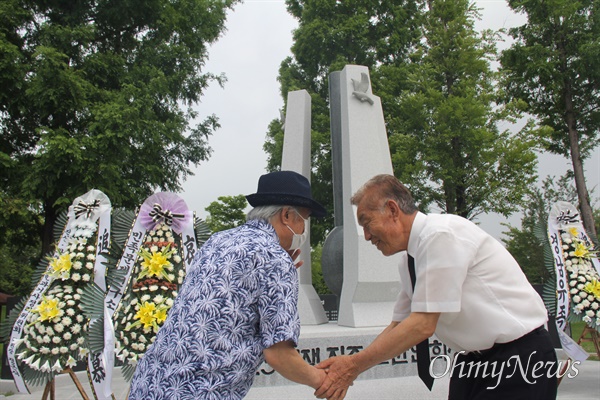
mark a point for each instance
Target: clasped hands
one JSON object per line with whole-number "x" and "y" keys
{"x": 341, "y": 373}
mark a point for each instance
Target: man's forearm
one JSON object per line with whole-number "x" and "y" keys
{"x": 396, "y": 339}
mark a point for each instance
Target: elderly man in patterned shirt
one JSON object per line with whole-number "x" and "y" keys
{"x": 237, "y": 305}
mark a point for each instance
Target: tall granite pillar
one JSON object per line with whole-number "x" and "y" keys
{"x": 296, "y": 157}
{"x": 371, "y": 280}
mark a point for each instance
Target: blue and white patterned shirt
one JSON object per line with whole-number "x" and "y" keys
{"x": 239, "y": 298}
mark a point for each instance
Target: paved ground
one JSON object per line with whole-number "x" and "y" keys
{"x": 586, "y": 385}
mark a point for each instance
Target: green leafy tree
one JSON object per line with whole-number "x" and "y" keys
{"x": 20, "y": 225}
{"x": 99, "y": 94}
{"x": 226, "y": 213}
{"x": 553, "y": 67}
{"x": 522, "y": 242}
{"x": 330, "y": 35}
{"x": 445, "y": 141}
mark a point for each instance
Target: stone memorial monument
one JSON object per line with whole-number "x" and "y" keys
{"x": 296, "y": 157}
{"x": 360, "y": 150}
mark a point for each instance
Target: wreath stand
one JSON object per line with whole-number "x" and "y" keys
{"x": 594, "y": 337}
{"x": 49, "y": 389}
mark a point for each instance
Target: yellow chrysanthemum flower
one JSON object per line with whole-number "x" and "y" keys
{"x": 161, "y": 315}
{"x": 573, "y": 231}
{"x": 581, "y": 250}
{"x": 48, "y": 309}
{"x": 593, "y": 288}
{"x": 61, "y": 264}
{"x": 146, "y": 314}
{"x": 155, "y": 264}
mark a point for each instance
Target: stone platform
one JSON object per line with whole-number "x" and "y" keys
{"x": 395, "y": 379}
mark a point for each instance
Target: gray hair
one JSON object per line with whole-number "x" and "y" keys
{"x": 264, "y": 212}
{"x": 387, "y": 187}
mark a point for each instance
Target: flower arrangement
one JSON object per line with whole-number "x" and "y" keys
{"x": 584, "y": 281}
{"x": 158, "y": 271}
{"x": 55, "y": 335}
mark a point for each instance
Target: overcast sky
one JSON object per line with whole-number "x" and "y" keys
{"x": 258, "y": 38}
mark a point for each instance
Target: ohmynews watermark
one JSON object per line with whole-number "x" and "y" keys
{"x": 505, "y": 369}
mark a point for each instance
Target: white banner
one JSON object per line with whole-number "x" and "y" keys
{"x": 564, "y": 216}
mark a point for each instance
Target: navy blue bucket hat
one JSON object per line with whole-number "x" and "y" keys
{"x": 286, "y": 188}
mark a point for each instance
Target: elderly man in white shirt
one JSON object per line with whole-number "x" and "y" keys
{"x": 466, "y": 288}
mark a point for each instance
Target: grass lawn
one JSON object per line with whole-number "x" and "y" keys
{"x": 576, "y": 329}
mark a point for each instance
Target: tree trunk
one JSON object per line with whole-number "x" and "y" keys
{"x": 587, "y": 216}
{"x": 49, "y": 220}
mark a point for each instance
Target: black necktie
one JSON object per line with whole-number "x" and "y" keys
{"x": 423, "y": 360}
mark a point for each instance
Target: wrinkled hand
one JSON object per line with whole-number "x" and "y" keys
{"x": 295, "y": 254}
{"x": 341, "y": 372}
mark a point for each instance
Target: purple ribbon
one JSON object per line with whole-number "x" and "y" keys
{"x": 167, "y": 208}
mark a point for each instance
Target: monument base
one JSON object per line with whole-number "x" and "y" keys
{"x": 320, "y": 342}
{"x": 310, "y": 307}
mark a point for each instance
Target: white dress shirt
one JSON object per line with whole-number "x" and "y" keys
{"x": 471, "y": 279}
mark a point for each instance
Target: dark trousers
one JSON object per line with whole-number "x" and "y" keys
{"x": 525, "y": 368}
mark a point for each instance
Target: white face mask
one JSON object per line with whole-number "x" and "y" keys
{"x": 298, "y": 240}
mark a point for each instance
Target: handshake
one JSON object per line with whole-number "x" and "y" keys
{"x": 335, "y": 376}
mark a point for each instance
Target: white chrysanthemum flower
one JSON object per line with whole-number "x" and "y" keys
{"x": 68, "y": 289}
{"x": 576, "y": 299}
{"x": 590, "y": 313}
{"x": 169, "y": 302}
{"x": 134, "y": 346}
{"x": 63, "y": 350}
{"x": 66, "y": 321}
{"x": 89, "y": 265}
{"x": 125, "y": 341}
{"x": 171, "y": 240}
{"x": 73, "y": 346}
{"x": 91, "y": 257}
{"x": 585, "y": 303}
{"x": 39, "y": 339}
{"x": 80, "y": 340}
{"x": 47, "y": 339}
{"x": 54, "y": 351}
{"x": 79, "y": 318}
{"x": 145, "y": 297}
{"x": 171, "y": 277}
{"x": 595, "y": 306}
{"x": 158, "y": 298}
{"x": 77, "y": 265}
{"x": 44, "y": 350}
{"x": 154, "y": 249}
{"x": 76, "y": 277}
{"x": 143, "y": 339}
{"x": 91, "y": 248}
{"x": 141, "y": 347}
{"x": 59, "y": 327}
{"x": 76, "y": 328}
{"x": 153, "y": 288}
{"x": 67, "y": 336}
{"x": 56, "y": 340}
{"x": 85, "y": 277}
